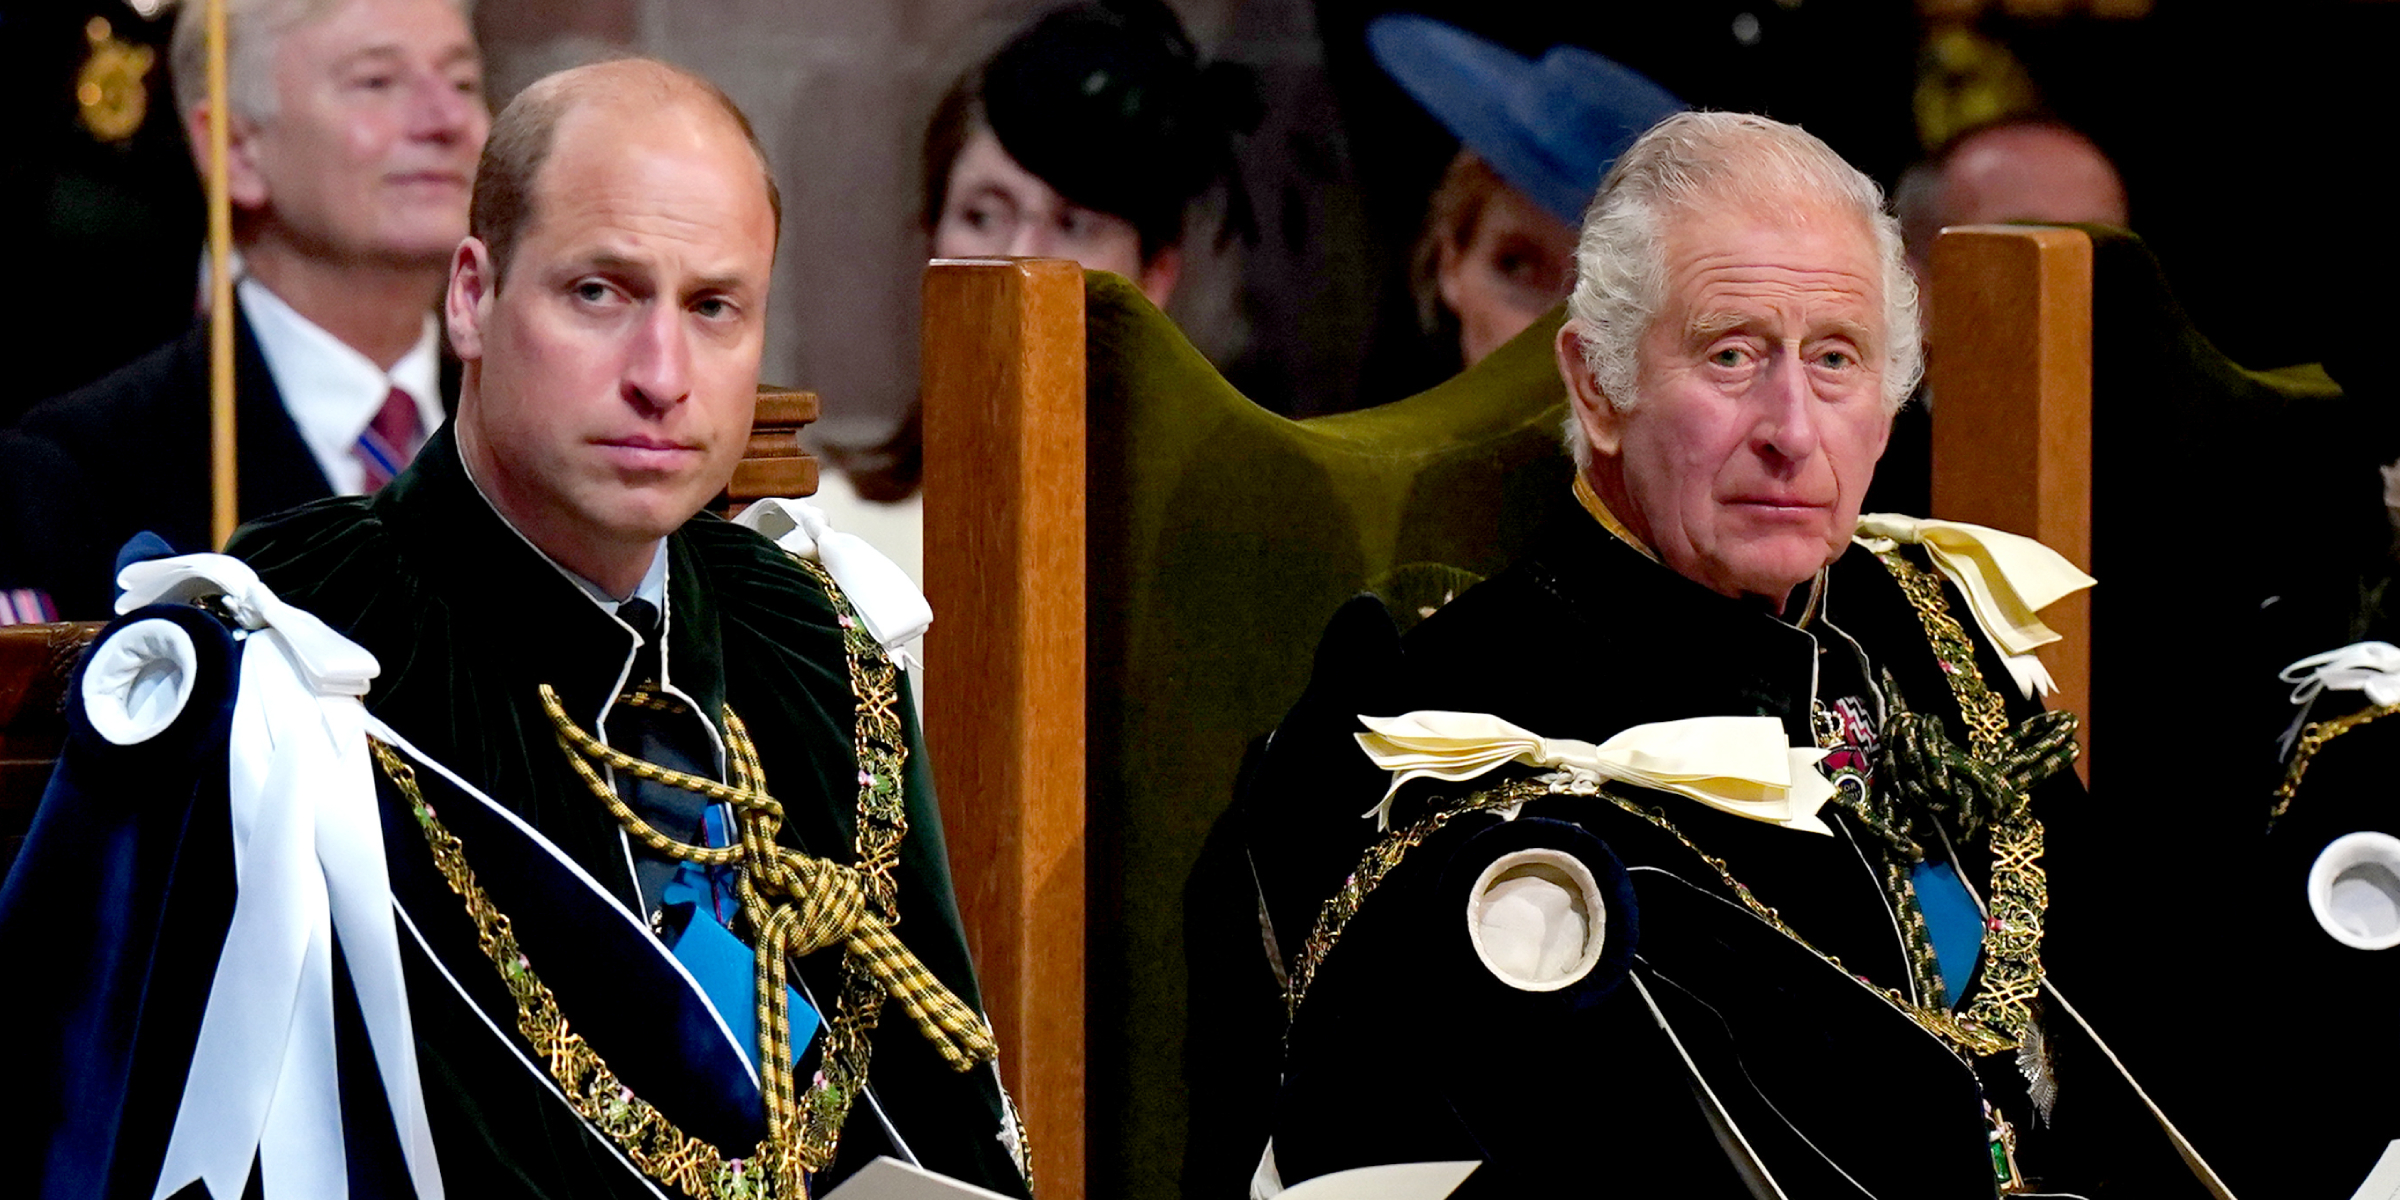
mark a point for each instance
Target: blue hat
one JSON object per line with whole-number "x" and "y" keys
{"x": 1551, "y": 129}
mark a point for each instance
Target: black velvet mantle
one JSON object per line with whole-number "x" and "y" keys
{"x": 1404, "y": 1050}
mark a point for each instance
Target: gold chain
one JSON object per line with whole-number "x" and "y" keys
{"x": 2313, "y": 739}
{"x": 1334, "y": 915}
{"x": 651, "y": 1141}
{"x": 2019, "y": 892}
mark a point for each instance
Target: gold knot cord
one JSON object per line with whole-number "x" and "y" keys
{"x": 794, "y": 903}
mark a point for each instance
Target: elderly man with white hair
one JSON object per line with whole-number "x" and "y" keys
{"x": 1704, "y": 849}
{"x": 353, "y": 130}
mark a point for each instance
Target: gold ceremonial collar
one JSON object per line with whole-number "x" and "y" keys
{"x": 1590, "y": 500}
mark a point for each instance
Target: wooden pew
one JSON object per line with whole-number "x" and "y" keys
{"x": 2009, "y": 365}
{"x": 35, "y": 664}
{"x": 1005, "y": 568}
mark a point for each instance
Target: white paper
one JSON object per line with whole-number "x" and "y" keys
{"x": 2383, "y": 1183}
{"x": 1392, "y": 1181}
{"x": 890, "y": 1179}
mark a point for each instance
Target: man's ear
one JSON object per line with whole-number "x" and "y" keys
{"x": 1603, "y": 426}
{"x": 245, "y": 186}
{"x": 467, "y": 305}
{"x": 1160, "y": 274}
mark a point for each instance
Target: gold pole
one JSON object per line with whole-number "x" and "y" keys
{"x": 222, "y": 509}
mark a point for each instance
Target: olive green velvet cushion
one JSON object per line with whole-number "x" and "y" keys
{"x": 1222, "y": 538}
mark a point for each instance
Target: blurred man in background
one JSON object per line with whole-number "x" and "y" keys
{"x": 2020, "y": 169}
{"x": 353, "y": 133}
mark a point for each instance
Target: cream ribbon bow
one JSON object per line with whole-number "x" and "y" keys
{"x": 308, "y": 865}
{"x": 1740, "y": 765}
{"x": 2006, "y": 577}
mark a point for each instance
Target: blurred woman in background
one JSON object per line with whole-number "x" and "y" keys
{"x": 1535, "y": 138}
{"x": 1088, "y": 135}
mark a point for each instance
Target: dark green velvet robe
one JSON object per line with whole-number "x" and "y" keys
{"x": 467, "y": 621}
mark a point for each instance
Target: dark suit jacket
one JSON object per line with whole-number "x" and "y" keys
{"x": 82, "y": 472}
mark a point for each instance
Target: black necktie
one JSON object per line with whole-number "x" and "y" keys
{"x": 673, "y": 740}
{"x": 643, "y": 616}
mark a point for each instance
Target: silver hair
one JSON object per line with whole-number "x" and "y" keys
{"x": 253, "y": 30}
{"x": 1695, "y": 160}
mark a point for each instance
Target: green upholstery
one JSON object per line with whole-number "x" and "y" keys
{"x": 1222, "y": 538}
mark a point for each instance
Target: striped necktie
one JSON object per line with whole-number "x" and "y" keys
{"x": 390, "y": 440}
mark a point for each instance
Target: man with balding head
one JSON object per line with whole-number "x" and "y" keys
{"x": 1704, "y": 852}
{"x": 674, "y": 911}
{"x": 2020, "y": 169}
{"x": 546, "y": 599}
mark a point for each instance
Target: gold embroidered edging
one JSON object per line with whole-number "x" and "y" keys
{"x": 652, "y": 1142}
{"x": 2019, "y": 892}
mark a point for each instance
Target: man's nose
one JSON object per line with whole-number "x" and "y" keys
{"x": 440, "y": 110}
{"x": 1787, "y": 428}
{"x": 658, "y": 363}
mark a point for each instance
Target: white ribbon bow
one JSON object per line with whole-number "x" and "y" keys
{"x": 308, "y": 862}
{"x": 2006, "y": 577}
{"x": 1740, "y": 765}
{"x": 895, "y": 611}
{"x": 2370, "y": 667}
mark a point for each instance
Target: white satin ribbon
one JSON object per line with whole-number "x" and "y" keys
{"x": 1740, "y": 765}
{"x": 308, "y": 862}
{"x": 886, "y": 599}
{"x": 2006, "y": 578}
{"x": 2370, "y": 667}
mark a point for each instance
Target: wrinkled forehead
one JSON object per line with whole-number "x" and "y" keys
{"x": 1799, "y": 258}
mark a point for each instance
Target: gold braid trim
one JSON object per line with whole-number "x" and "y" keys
{"x": 2312, "y": 739}
{"x": 2019, "y": 892}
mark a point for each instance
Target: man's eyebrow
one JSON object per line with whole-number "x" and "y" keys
{"x": 1710, "y": 325}
{"x": 1707, "y": 325}
{"x": 610, "y": 262}
{"x": 719, "y": 283}
{"x": 393, "y": 51}
{"x": 1845, "y": 328}
{"x": 389, "y": 50}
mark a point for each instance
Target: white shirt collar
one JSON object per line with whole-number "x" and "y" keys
{"x": 330, "y": 389}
